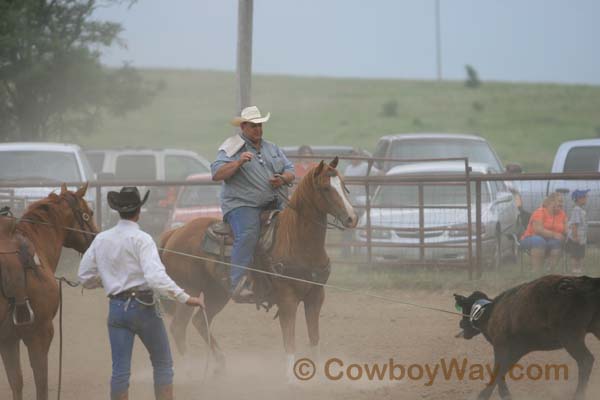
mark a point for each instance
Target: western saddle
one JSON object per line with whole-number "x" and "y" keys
{"x": 15, "y": 259}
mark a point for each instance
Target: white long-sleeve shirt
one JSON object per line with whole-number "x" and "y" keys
{"x": 125, "y": 257}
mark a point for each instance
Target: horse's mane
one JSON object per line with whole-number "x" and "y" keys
{"x": 44, "y": 210}
{"x": 295, "y": 214}
{"x": 304, "y": 189}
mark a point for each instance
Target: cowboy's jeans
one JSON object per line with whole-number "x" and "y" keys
{"x": 126, "y": 319}
{"x": 245, "y": 223}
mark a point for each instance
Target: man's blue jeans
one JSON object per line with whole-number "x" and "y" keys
{"x": 125, "y": 321}
{"x": 245, "y": 223}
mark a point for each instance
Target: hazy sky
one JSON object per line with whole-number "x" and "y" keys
{"x": 516, "y": 40}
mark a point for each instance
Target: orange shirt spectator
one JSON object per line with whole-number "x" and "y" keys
{"x": 552, "y": 222}
{"x": 303, "y": 165}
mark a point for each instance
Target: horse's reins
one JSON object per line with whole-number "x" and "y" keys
{"x": 326, "y": 225}
{"x": 279, "y": 192}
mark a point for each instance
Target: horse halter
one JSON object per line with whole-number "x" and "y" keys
{"x": 323, "y": 190}
{"x": 83, "y": 218}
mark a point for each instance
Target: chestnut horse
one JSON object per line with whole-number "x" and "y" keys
{"x": 299, "y": 242}
{"x": 41, "y": 234}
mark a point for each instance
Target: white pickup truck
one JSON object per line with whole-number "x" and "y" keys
{"x": 47, "y": 163}
{"x": 576, "y": 156}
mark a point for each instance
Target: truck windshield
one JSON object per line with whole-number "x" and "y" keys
{"x": 433, "y": 195}
{"x": 39, "y": 165}
{"x": 476, "y": 151}
{"x": 583, "y": 159}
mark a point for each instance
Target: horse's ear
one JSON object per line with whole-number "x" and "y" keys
{"x": 460, "y": 300}
{"x": 81, "y": 191}
{"x": 334, "y": 163}
{"x": 319, "y": 168}
{"x": 63, "y": 188}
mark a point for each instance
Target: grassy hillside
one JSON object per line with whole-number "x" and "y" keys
{"x": 524, "y": 122}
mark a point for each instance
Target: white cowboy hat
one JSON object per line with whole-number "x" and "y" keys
{"x": 250, "y": 114}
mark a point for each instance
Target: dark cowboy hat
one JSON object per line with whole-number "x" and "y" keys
{"x": 127, "y": 200}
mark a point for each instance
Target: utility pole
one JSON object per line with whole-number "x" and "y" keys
{"x": 244, "y": 54}
{"x": 438, "y": 40}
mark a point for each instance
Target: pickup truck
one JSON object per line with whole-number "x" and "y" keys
{"x": 47, "y": 163}
{"x": 145, "y": 164}
{"x": 572, "y": 157}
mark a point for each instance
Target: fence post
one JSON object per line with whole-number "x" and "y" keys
{"x": 469, "y": 219}
{"x": 478, "y": 243}
{"x": 98, "y": 206}
{"x": 368, "y": 211}
{"x": 421, "y": 224}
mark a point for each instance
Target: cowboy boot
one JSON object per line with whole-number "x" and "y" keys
{"x": 120, "y": 396}
{"x": 163, "y": 392}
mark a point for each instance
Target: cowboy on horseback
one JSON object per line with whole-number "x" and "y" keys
{"x": 253, "y": 170}
{"x": 125, "y": 261}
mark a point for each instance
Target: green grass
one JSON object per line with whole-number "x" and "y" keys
{"x": 444, "y": 279}
{"x": 524, "y": 122}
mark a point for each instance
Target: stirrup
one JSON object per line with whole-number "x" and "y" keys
{"x": 30, "y": 313}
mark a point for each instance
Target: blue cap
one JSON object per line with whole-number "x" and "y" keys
{"x": 578, "y": 194}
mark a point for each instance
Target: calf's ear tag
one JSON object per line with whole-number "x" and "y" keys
{"x": 458, "y": 308}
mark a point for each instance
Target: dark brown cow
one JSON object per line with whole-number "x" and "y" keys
{"x": 549, "y": 313}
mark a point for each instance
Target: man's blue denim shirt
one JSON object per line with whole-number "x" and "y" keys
{"x": 250, "y": 186}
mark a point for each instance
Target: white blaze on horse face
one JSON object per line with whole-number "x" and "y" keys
{"x": 336, "y": 183}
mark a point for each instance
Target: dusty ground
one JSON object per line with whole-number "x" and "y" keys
{"x": 355, "y": 329}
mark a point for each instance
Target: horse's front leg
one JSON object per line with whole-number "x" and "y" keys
{"x": 287, "y": 319}
{"x": 312, "y": 309}
{"x": 38, "y": 345}
{"x": 9, "y": 349}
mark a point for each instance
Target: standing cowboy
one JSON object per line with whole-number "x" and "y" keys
{"x": 125, "y": 261}
{"x": 252, "y": 170}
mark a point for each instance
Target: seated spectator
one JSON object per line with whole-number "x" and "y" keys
{"x": 303, "y": 165}
{"x": 545, "y": 232}
{"x": 359, "y": 167}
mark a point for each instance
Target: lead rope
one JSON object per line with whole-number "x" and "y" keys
{"x": 60, "y": 329}
{"x": 209, "y": 341}
{"x": 60, "y": 335}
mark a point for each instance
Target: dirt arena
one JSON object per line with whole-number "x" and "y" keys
{"x": 354, "y": 329}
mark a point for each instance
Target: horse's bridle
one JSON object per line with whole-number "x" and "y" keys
{"x": 83, "y": 218}
{"x": 323, "y": 190}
